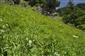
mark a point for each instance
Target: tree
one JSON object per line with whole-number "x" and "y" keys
{"x": 50, "y": 5}
{"x": 70, "y": 6}
{"x": 81, "y": 5}
{"x": 32, "y": 2}
{"x": 14, "y": 1}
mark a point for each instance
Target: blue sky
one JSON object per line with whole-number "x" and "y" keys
{"x": 64, "y": 2}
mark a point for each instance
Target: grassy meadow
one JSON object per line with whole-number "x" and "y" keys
{"x": 24, "y": 32}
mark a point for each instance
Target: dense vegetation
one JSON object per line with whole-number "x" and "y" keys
{"x": 81, "y": 5}
{"x": 77, "y": 18}
{"x": 24, "y": 32}
{"x": 74, "y": 15}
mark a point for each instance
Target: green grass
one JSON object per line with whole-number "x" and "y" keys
{"x": 24, "y": 32}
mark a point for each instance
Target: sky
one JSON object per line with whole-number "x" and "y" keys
{"x": 64, "y": 2}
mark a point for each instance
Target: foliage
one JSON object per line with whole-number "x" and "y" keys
{"x": 81, "y": 5}
{"x": 68, "y": 9}
{"x": 76, "y": 18}
{"x": 73, "y": 15}
{"x": 80, "y": 22}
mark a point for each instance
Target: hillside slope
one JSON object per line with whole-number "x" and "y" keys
{"x": 24, "y": 32}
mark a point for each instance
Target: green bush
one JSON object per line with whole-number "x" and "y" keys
{"x": 81, "y": 22}
{"x": 76, "y": 18}
{"x": 70, "y": 18}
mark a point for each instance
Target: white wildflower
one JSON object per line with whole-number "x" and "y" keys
{"x": 75, "y": 36}
{"x": 56, "y": 54}
{"x": 30, "y": 42}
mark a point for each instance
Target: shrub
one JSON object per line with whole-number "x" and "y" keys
{"x": 81, "y": 5}
{"x": 76, "y": 18}
{"x": 70, "y": 18}
{"x": 80, "y": 22}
